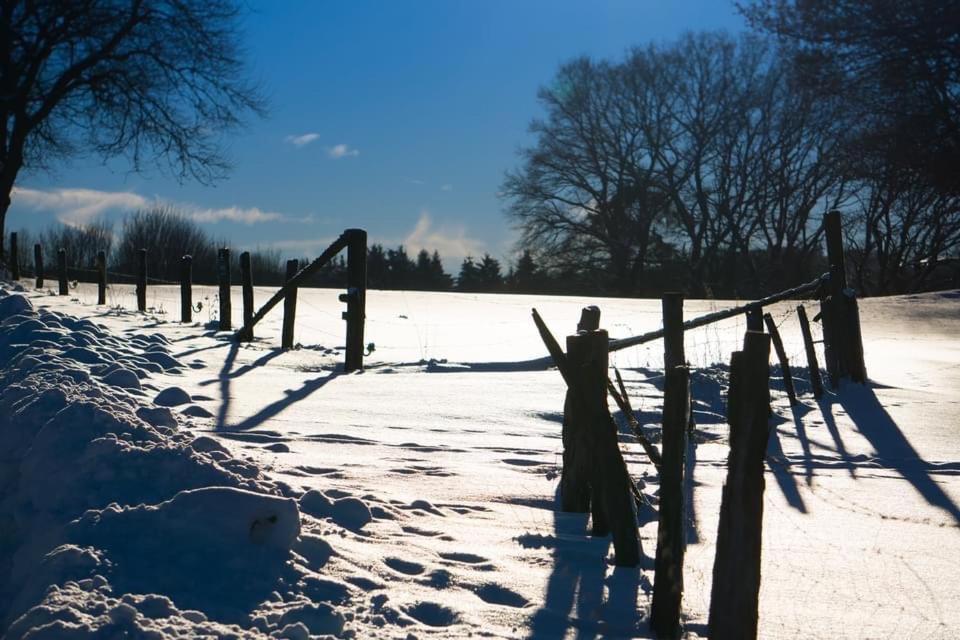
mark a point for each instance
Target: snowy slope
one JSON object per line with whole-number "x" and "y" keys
{"x": 417, "y": 497}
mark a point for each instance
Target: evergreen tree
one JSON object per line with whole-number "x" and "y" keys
{"x": 489, "y": 273}
{"x": 377, "y": 271}
{"x": 401, "y": 268}
{"x": 469, "y": 278}
{"x": 440, "y": 279}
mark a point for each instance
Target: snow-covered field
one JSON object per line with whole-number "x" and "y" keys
{"x": 161, "y": 480}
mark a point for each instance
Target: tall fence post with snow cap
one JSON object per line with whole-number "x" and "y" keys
{"x": 101, "y": 277}
{"x": 246, "y": 281}
{"x": 62, "y": 271}
{"x": 355, "y": 297}
{"x": 735, "y": 591}
{"x": 141, "y": 280}
{"x": 668, "y": 564}
{"x": 186, "y": 289}
{"x": 289, "y": 307}
{"x": 38, "y": 264}
{"x": 223, "y": 277}
{"x": 14, "y": 257}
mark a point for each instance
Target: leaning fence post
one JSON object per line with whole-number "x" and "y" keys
{"x": 246, "y": 280}
{"x": 142, "y": 280}
{"x": 356, "y": 297}
{"x": 186, "y": 289}
{"x": 668, "y": 565}
{"x": 782, "y": 357}
{"x": 736, "y": 570}
{"x": 289, "y": 307}
{"x": 812, "y": 364}
{"x": 101, "y": 277}
{"x": 62, "y": 271}
{"x": 38, "y": 264}
{"x": 836, "y": 340}
{"x": 14, "y": 257}
{"x": 223, "y": 275}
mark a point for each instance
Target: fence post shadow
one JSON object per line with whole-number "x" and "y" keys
{"x": 892, "y": 447}
{"x": 574, "y": 596}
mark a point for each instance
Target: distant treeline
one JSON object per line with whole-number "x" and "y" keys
{"x": 168, "y": 235}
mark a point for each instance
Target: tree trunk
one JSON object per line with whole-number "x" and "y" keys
{"x": 9, "y": 168}
{"x": 4, "y": 205}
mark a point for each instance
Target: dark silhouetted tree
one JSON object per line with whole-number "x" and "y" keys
{"x": 151, "y": 80}
{"x": 897, "y": 64}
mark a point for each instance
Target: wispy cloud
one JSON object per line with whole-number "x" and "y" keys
{"x": 247, "y": 216}
{"x": 453, "y": 243}
{"x": 77, "y": 207}
{"x": 342, "y": 151}
{"x": 303, "y": 139}
{"x": 446, "y": 187}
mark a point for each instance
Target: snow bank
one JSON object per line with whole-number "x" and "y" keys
{"x": 113, "y": 521}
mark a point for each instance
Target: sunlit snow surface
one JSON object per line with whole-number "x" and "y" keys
{"x": 426, "y": 483}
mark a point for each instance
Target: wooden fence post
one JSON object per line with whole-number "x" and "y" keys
{"x": 736, "y": 569}
{"x": 668, "y": 565}
{"x": 142, "y": 280}
{"x": 356, "y": 297}
{"x": 289, "y": 307}
{"x": 782, "y": 357}
{"x": 592, "y": 434}
{"x": 246, "y": 281}
{"x": 186, "y": 289}
{"x": 223, "y": 276}
{"x": 62, "y": 271}
{"x": 673, "y": 351}
{"x": 812, "y": 364}
{"x": 856, "y": 364}
{"x": 14, "y": 257}
{"x": 38, "y": 264}
{"x": 755, "y": 319}
{"x": 101, "y": 277}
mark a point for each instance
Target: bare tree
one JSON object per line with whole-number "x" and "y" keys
{"x": 152, "y": 80}
{"x": 167, "y": 235}
{"x": 896, "y": 63}
{"x": 586, "y": 196}
{"x": 905, "y": 229}
{"x": 81, "y": 244}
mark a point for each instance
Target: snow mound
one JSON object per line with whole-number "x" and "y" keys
{"x": 120, "y": 524}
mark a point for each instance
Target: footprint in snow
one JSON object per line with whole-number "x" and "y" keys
{"x": 496, "y": 594}
{"x": 433, "y": 614}
{"x": 465, "y": 558}
{"x": 404, "y": 566}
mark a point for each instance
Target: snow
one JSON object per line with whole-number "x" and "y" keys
{"x": 160, "y": 480}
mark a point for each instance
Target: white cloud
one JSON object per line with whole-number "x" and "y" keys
{"x": 342, "y": 151}
{"x": 302, "y": 140}
{"x": 247, "y": 216}
{"x": 446, "y": 187}
{"x": 76, "y": 207}
{"x": 452, "y": 243}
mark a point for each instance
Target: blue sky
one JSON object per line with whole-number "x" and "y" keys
{"x": 396, "y": 116}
